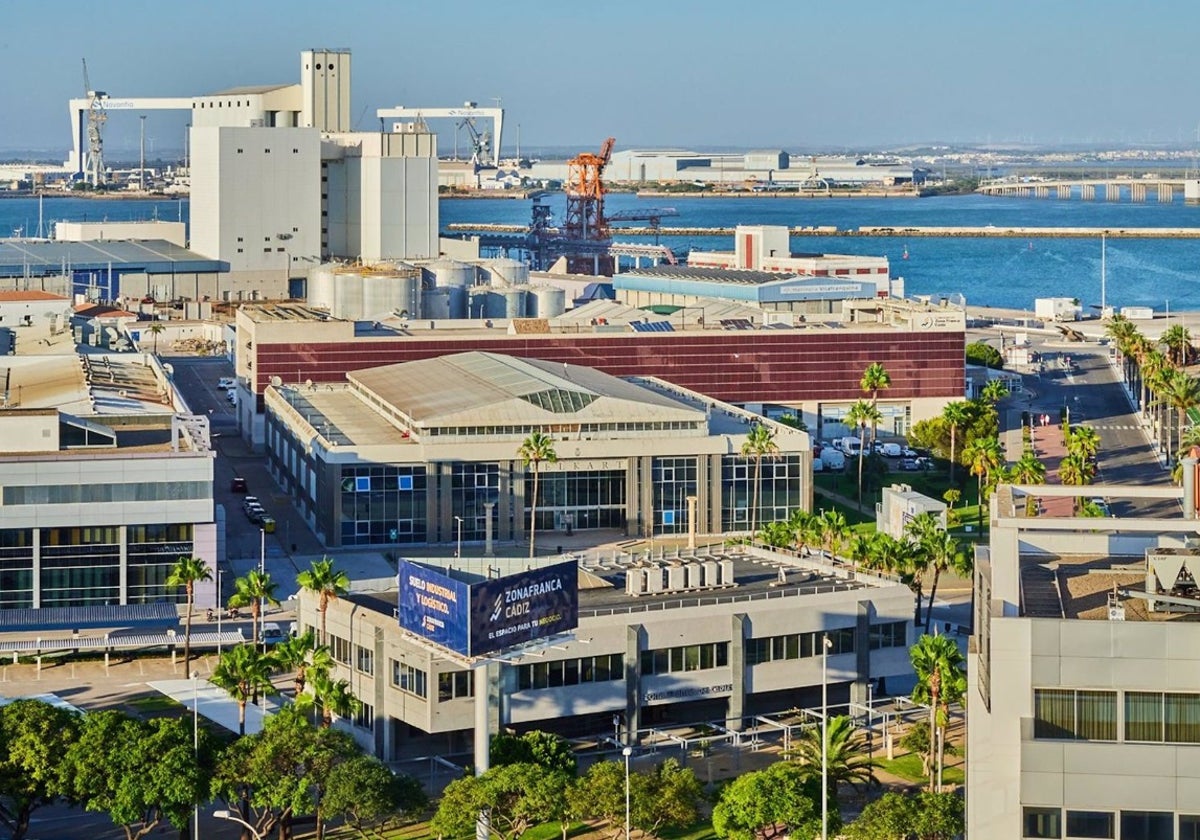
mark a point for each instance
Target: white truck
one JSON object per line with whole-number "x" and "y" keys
{"x": 1057, "y": 309}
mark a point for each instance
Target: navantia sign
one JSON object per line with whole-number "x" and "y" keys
{"x": 498, "y": 613}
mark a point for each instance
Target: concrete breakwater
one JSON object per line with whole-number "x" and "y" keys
{"x": 883, "y": 231}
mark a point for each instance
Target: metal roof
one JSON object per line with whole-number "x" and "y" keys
{"x": 488, "y": 389}
{"x": 249, "y": 90}
{"x": 154, "y": 256}
{"x": 739, "y": 276}
{"x": 78, "y": 618}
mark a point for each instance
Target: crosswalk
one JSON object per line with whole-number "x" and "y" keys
{"x": 1114, "y": 426}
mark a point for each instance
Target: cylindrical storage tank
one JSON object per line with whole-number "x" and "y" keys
{"x": 514, "y": 303}
{"x": 546, "y": 302}
{"x": 452, "y": 273}
{"x": 457, "y": 302}
{"x": 320, "y": 286}
{"x": 507, "y": 272}
{"x": 407, "y": 294}
{"x": 493, "y": 305}
{"x": 376, "y": 296}
{"x": 435, "y": 304}
{"x": 347, "y": 294}
{"x": 477, "y": 303}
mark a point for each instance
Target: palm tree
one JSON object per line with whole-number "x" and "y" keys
{"x": 941, "y": 682}
{"x": 834, "y": 530}
{"x": 1182, "y": 393}
{"x": 861, "y": 550}
{"x": 956, "y": 414}
{"x": 800, "y": 524}
{"x": 186, "y": 572}
{"x": 759, "y": 444}
{"x": 862, "y": 414}
{"x": 1083, "y": 441}
{"x": 250, "y": 591}
{"x": 244, "y": 672}
{"x": 777, "y": 535}
{"x": 875, "y": 379}
{"x": 1075, "y": 471}
{"x": 1154, "y": 371}
{"x": 985, "y": 457}
{"x": 335, "y": 698}
{"x": 154, "y": 329}
{"x": 533, "y": 451}
{"x": 1179, "y": 343}
{"x": 900, "y": 557}
{"x": 303, "y": 655}
{"x": 994, "y": 391}
{"x": 940, "y": 551}
{"x": 1029, "y": 470}
{"x": 846, "y": 760}
{"x": 327, "y": 583}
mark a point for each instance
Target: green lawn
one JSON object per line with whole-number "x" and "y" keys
{"x": 909, "y": 767}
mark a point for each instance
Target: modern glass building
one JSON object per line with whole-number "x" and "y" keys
{"x": 419, "y": 451}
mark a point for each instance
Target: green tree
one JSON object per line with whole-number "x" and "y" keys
{"x": 994, "y": 391}
{"x": 956, "y": 415}
{"x": 924, "y": 816}
{"x": 155, "y": 329}
{"x": 251, "y": 590}
{"x": 846, "y": 757}
{"x": 985, "y": 458}
{"x": 1075, "y": 471}
{"x": 599, "y": 794}
{"x": 369, "y": 797}
{"x": 1029, "y": 470}
{"x": 665, "y": 797}
{"x": 244, "y": 672}
{"x": 834, "y": 530}
{"x": 901, "y": 558}
{"x": 875, "y": 379}
{"x": 805, "y": 527}
{"x": 775, "y": 802}
{"x": 941, "y": 682}
{"x": 862, "y": 414}
{"x": 952, "y": 497}
{"x": 940, "y": 550}
{"x": 759, "y": 443}
{"x": 327, "y": 583}
{"x": 516, "y": 797}
{"x": 544, "y": 749}
{"x": 1179, "y": 344}
{"x": 535, "y": 449}
{"x": 302, "y": 654}
{"x": 1083, "y": 441}
{"x": 777, "y": 535}
{"x": 335, "y": 697}
{"x": 187, "y": 572}
{"x": 139, "y": 773}
{"x": 1180, "y": 392}
{"x": 34, "y": 737}
{"x": 985, "y": 355}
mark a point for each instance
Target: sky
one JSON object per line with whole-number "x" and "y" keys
{"x": 798, "y": 75}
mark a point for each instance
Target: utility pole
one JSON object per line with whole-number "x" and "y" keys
{"x": 142, "y": 156}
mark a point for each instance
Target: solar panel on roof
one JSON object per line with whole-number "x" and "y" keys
{"x": 737, "y": 324}
{"x": 652, "y": 326}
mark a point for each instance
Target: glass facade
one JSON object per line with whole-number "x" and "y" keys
{"x": 1060, "y": 713}
{"x": 472, "y": 486}
{"x": 383, "y": 504}
{"x": 581, "y": 499}
{"x": 151, "y": 552}
{"x": 81, "y": 566}
{"x": 779, "y": 491}
{"x": 673, "y": 480}
{"x": 16, "y": 567}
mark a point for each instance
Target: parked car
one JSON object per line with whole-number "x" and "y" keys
{"x": 909, "y": 453}
{"x": 226, "y": 382}
{"x": 272, "y": 633}
{"x": 238, "y": 484}
{"x": 909, "y": 465}
{"x": 892, "y": 450}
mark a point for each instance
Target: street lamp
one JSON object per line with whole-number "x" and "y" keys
{"x": 262, "y": 571}
{"x": 226, "y": 815}
{"x": 220, "y": 610}
{"x": 458, "y": 550}
{"x": 627, "y": 751}
{"x": 196, "y": 738}
{"x": 826, "y": 644}
{"x": 870, "y": 722}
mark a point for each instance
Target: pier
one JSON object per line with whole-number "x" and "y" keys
{"x": 1137, "y": 191}
{"x": 883, "y": 232}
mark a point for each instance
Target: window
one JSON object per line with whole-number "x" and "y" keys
{"x": 1074, "y": 715}
{"x": 799, "y": 645}
{"x": 893, "y": 634}
{"x": 454, "y": 685}
{"x": 1042, "y": 823}
{"x": 364, "y": 659}
{"x": 364, "y": 718}
{"x": 1146, "y": 825}
{"x": 568, "y": 672}
{"x": 1090, "y": 824}
{"x": 340, "y": 648}
{"x": 1189, "y": 827}
{"x": 685, "y": 658}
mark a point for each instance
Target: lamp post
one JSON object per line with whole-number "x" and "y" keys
{"x": 226, "y": 815}
{"x": 458, "y": 549}
{"x": 262, "y": 570}
{"x": 196, "y": 739}
{"x": 220, "y": 610}
{"x": 627, "y": 751}
{"x": 870, "y": 722}
{"x": 826, "y": 644}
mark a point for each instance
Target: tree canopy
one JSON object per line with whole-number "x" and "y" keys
{"x": 777, "y": 801}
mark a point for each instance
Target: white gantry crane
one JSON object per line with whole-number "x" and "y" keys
{"x": 94, "y": 165}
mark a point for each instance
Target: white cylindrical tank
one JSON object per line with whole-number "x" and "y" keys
{"x": 320, "y": 286}
{"x": 407, "y": 295}
{"x": 347, "y": 294}
{"x": 452, "y": 273}
{"x": 514, "y": 303}
{"x": 546, "y": 302}
{"x": 477, "y": 303}
{"x": 435, "y": 304}
{"x": 376, "y": 295}
{"x": 506, "y": 272}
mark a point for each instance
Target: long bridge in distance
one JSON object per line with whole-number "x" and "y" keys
{"x": 1137, "y": 190}
{"x": 884, "y": 231}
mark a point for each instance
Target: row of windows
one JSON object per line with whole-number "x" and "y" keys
{"x": 685, "y": 658}
{"x": 1048, "y": 824}
{"x": 571, "y": 671}
{"x": 340, "y": 648}
{"x": 1083, "y": 715}
{"x": 409, "y": 678}
{"x": 138, "y": 491}
{"x": 569, "y": 428}
{"x": 798, "y": 645}
{"x": 455, "y": 684}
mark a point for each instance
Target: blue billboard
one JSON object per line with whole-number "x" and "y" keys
{"x": 435, "y": 606}
{"x": 489, "y": 615}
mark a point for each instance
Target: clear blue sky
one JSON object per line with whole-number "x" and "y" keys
{"x": 797, "y": 74}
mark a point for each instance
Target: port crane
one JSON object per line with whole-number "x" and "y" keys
{"x": 96, "y": 117}
{"x": 481, "y": 143}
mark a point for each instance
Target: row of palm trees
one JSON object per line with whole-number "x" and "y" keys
{"x": 1159, "y": 379}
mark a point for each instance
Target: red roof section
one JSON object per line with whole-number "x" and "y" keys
{"x": 32, "y": 294}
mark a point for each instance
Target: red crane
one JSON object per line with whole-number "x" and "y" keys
{"x": 585, "y": 221}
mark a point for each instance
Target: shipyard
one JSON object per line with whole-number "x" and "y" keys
{"x": 572, "y": 452}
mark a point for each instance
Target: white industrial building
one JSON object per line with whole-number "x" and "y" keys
{"x": 279, "y": 182}
{"x": 1084, "y": 671}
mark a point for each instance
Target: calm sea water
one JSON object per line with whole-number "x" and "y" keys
{"x": 993, "y": 272}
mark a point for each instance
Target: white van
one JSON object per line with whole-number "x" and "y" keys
{"x": 272, "y": 633}
{"x": 833, "y": 460}
{"x": 850, "y": 446}
{"x": 892, "y": 450}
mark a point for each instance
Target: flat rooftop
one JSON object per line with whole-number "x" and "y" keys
{"x": 1078, "y": 587}
{"x": 154, "y": 256}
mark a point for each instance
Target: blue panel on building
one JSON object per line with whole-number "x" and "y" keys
{"x": 523, "y": 607}
{"x": 435, "y": 606}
